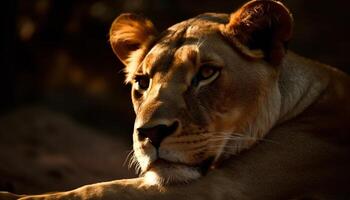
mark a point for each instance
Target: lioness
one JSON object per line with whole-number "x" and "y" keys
{"x": 224, "y": 111}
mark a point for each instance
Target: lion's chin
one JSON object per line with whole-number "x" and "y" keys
{"x": 163, "y": 173}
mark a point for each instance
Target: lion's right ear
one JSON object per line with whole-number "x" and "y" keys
{"x": 261, "y": 29}
{"x": 128, "y": 33}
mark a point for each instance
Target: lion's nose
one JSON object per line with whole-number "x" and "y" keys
{"x": 157, "y": 133}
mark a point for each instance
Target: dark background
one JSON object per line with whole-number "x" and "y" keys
{"x": 65, "y": 115}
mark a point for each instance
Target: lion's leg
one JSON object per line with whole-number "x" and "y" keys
{"x": 113, "y": 190}
{"x": 136, "y": 189}
{"x": 8, "y": 196}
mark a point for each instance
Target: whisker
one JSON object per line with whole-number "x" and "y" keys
{"x": 128, "y": 157}
{"x": 242, "y": 138}
{"x": 238, "y": 136}
{"x": 200, "y": 42}
{"x": 132, "y": 162}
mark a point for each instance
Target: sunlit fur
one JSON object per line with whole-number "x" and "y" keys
{"x": 272, "y": 125}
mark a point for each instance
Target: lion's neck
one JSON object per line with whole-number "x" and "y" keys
{"x": 301, "y": 82}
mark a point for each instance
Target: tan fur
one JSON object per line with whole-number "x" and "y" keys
{"x": 272, "y": 125}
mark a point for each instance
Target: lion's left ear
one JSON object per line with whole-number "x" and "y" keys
{"x": 261, "y": 29}
{"x": 129, "y": 33}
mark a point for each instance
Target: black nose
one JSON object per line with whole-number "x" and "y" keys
{"x": 157, "y": 133}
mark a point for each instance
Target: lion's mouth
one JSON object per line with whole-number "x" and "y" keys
{"x": 164, "y": 164}
{"x": 164, "y": 172}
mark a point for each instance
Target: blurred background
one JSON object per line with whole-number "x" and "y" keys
{"x": 65, "y": 115}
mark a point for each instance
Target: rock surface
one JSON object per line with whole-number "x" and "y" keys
{"x": 44, "y": 151}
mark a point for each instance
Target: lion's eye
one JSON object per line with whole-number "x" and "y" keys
{"x": 142, "y": 82}
{"x": 206, "y": 72}
{"x": 205, "y": 75}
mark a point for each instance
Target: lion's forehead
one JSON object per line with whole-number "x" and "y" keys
{"x": 180, "y": 43}
{"x": 166, "y": 59}
{"x": 178, "y": 61}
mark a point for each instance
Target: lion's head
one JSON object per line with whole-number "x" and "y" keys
{"x": 203, "y": 89}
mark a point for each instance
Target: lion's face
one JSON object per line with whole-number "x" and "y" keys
{"x": 202, "y": 91}
{"x": 199, "y": 90}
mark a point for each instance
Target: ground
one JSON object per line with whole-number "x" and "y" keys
{"x": 42, "y": 151}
